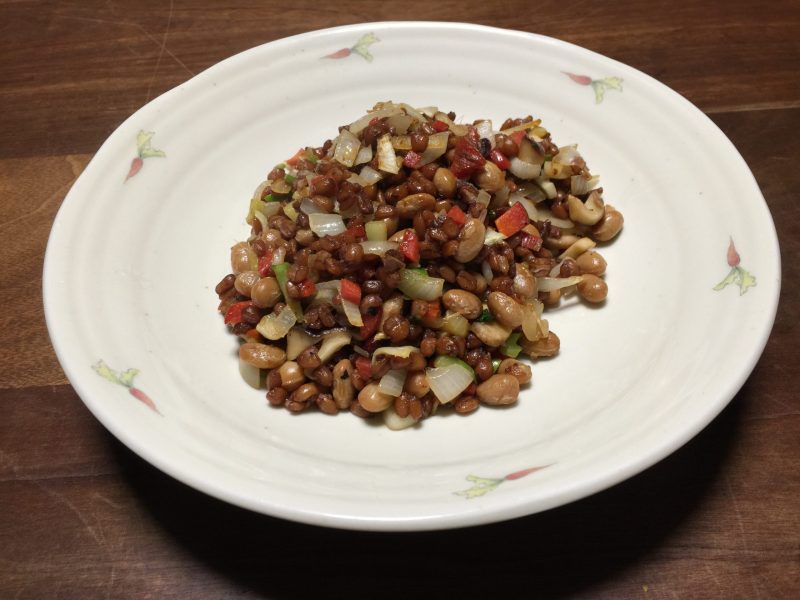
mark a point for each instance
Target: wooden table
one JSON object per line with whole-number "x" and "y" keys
{"x": 83, "y": 517}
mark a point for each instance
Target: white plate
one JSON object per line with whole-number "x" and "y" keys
{"x": 131, "y": 266}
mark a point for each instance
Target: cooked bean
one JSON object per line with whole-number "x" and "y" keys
{"x": 291, "y": 375}
{"x": 226, "y": 284}
{"x": 492, "y": 333}
{"x": 524, "y": 282}
{"x": 304, "y": 237}
{"x": 466, "y": 404}
{"x": 277, "y": 396}
{"x": 417, "y": 384}
{"x": 266, "y": 292}
{"x": 547, "y": 346}
{"x": 609, "y": 226}
{"x": 445, "y": 182}
{"x": 505, "y": 309}
{"x": 470, "y": 240}
{"x": 490, "y": 177}
{"x": 419, "y": 141}
{"x": 251, "y": 314}
{"x": 240, "y": 258}
{"x": 304, "y": 393}
{"x": 343, "y": 390}
{"x": 309, "y": 358}
{"x": 323, "y": 185}
{"x": 511, "y": 366}
{"x": 411, "y": 205}
{"x": 396, "y": 328}
{"x": 262, "y": 355}
{"x": 353, "y": 253}
{"x": 373, "y": 400}
{"x": 326, "y": 404}
{"x": 586, "y": 213}
{"x": 464, "y": 303}
{"x": 499, "y": 390}
{"x": 483, "y": 368}
{"x": 591, "y": 262}
{"x": 593, "y": 289}
{"x": 323, "y": 376}
{"x": 506, "y": 145}
{"x": 420, "y": 185}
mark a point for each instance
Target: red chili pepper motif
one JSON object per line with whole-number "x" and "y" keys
{"x": 522, "y": 473}
{"x": 733, "y": 255}
{"x": 143, "y": 398}
{"x": 343, "y": 53}
{"x": 136, "y": 166}
{"x": 466, "y": 159}
{"x": 580, "y": 79}
{"x": 517, "y": 136}
{"x": 306, "y": 288}
{"x": 125, "y": 379}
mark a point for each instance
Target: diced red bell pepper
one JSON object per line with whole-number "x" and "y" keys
{"x": 306, "y": 288}
{"x": 265, "y": 265}
{"x": 517, "y": 136}
{"x": 466, "y": 159}
{"x": 234, "y": 313}
{"x": 511, "y": 221}
{"x": 531, "y": 242}
{"x": 440, "y": 126}
{"x": 409, "y": 246}
{"x": 473, "y": 135}
{"x": 457, "y": 215}
{"x": 434, "y": 310}
{"x": 296, "y": 158}
{"x": 499, "y": 159}
{"x": 351, "y": 291}
{"x": 364, "y": 367}
{"x": 371, "y": 323}
{"x": 357, "y": 231}
{"x": 412, "y": 159}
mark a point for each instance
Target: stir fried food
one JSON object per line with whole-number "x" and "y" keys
{"x": 404, "y": 266}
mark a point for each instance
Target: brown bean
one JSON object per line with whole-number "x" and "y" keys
{"x": 343, "y": 390}
{"x": 240, "y": 258}
{"x": 490, "y": 177}
{"x": 417, "y": 384}
{"x": 547, "y": 346}
{"x": 492, "y": 333}
{"x": 524, "y": 283}
{"x": 419, "y": 141}
{"x": 470, "y": 240}
{"x": 251, "y": 314}
{"x": 262, "y": 355}
{"x": 463, "y": 302}
{"x": 591, "y": 262}
{"x": 414, "y": 203}
{"x": 373, "y": 400}
{"x": 309, "y": 358}
{"x": 609, "y": 226}
{"x": 291, "y": 375}
{"x": 445, "y": 182}
{"x": 323, "y": 185}
{"x": 428, "y": 344}
{"x": 353, "y": 253}
{"x": 511, "y": 366}
{"x": 593, "y": 289}
{"x": 466, "y": 404}
{"x": 499, "y": 390}
{"x": 225, "y": 284}
{"x": 276, "y": 396}
{"x": 505, "y": 309}
{"x": 506, "y": 145}
{"x": 304, "y": 393}
{"x": 396, "y": 328}
{"x": 266, "y": 292}
{"x": 323, "y": 376}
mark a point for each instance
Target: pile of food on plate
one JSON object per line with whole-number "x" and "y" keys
{"x": 404, "y": 266}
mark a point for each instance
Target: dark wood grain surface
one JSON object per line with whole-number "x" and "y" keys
{"x": 83, "y": 517}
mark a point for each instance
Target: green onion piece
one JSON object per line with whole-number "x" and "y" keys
{"x": 510, "y": 347}
{"x": 485, "y": 316}
{"x": 270, "y": 198}
{"x": 290, "y": 179}
{"x": 281, "y": 271}
{"x": 496, "y": 364}
{"x": 446, "y": 361}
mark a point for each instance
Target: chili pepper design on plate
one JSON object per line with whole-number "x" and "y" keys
{"x": 737, "y": 274}
{"x": 598, "y": 85}
{"x": 143, "y": 150}
{"x": 361, "y": 48}
{"x": 483, "y": 485}
{"x": 125, "y": 379}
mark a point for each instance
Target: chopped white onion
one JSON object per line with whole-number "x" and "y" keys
{"x": 578, "y": 248}
{"x": 493, "y": 237}
{"x": 437, "y": 145}
{"x": 548, "y": 187}
{"x": 485, "y": 197}
{"x": 420, "y": 287}
{"x": 297, "y": 340}
{"x": 455, "y": 324}
{"x": 549, "y": 284}
{"x": 387, "y": 159}
{"x": 250, "y": 374}
{"x": 399, "y": 351}
{"x": 529, "y": 206}
{"x": 392, "y": 383}
{"x": 484, "y": 129}
{"x": 580, "y": 184}
{"x": 332, "y": 343}
{"x": 395, "y": 422}
{"x": 487, "y": 271}
{"x": 352, "y": 313}
{"x": 275, "y": 327}
{"x": 401, "y": 123}
{"x": 324, "y": 224}
{"x": 546, "y": 215}
{"x": 412, "y": 112}
{"x": 448, "y": 382}
{"x": 346, "y": 148}
{"x": 370, "y": 176}
{"x": 387, "y": 111}
{"x": 307, "y": 206}
{"x": 378, "y": 247}
{"x": 567, "y": 155}
{"x": 376, "y": 231}
{"x": 364, "y": 155}
{"x": 524, "y": 170}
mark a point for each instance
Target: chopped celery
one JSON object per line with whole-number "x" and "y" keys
{"x": 511, "y": 347}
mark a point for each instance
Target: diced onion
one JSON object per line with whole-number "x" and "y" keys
{"x": 307, "y": 206}
{"x": 401, "y": 142}
{"x": 484, "y": 129}
{"x": 324, "y": 224}
{"x": 548, "y": 284}
{"x": 459, "y": 130}
{"x": 437, "y": 145}
{"x": 555, "y": 170}
{"x": 332, "y": 343}
{"x": 378, "y": 247}
{"x": 485, "y": 197}
{"x": 493, "y": 237}
{"x": 250, "y": 374}
{"x": 387, "y": 159}
{"x": 390, "y": 109}
{"x": 346, "y": 148}
{"x": 401, "y": 123}
{"x": 289, "y": 211}
{"x": 395, "y": 422}
{"x": 487, "y": 271}
{"x": 532, "y": 191}
{"x": 524, "y": 170}
{"x": 369, "y": 175}
{"x": 567, "y": 155}
{"x": 262, "y": 219}
{"x": 364, "y": 155}
{"x": 455, "y": 324}
{"x": 578, "y": 248}
{"x": 376, "y": 231}
{"x": 297, "y": 340}
{"x": 420, "y": 287}
{"x": 275, "y": 327}
{"x": 412, "y": 112}
{"x": 580, "y": 184}
{"x": 530, "y": 323}
{"x": 448, "y": 382}
{"x": 548, "y": 187}
{"x": 352, "y": 313}
{"x": 399, "y": 351}
{"x": 546, "y": 215}
{"x": 392, "y": 383}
